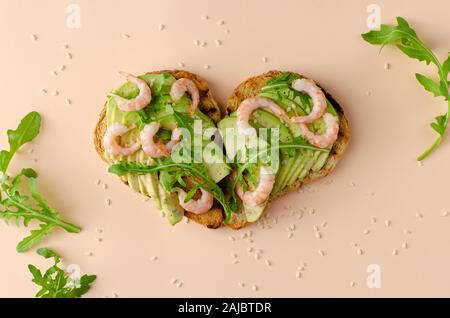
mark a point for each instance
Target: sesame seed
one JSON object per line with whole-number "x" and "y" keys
{"x": 353, "y": 244}
{"x": 62, "y": 68}
{"x": 250, "y": 249}
{"x": 205, "y": 17}
{"x": 321, "y": 253}
{"x": 255, "y": 288}
{"x": 227, "y": 31}
{"x": 352, "y": 183}
{"x": 68, "y": 55}
{"x": 68, "y": 101}
{"x": 154, "y": 258}
{"x": 97, "y": 182}
{"x": 352, "y": 284}
{"x": 394, "y": 252}
{"x": 54, "y": 93}
{"x": 197, "y": 43}
{"x": 161, "y": 27}
{"x": 54, "y": 73}
{"x": 173, "y": 281}
{"x": 315, "y": 228}
{"x": 203, "y": 44}
{"x": 186, "y": 220}
{"x": 259, "y": 251}
{"x": 290, "y": 234}
{"x": 162, "y": 214}
{"x": 387, "y": 223}
{"x": 207, "y": 67}
{"x": 233, "y": 255}
{"x": 241, "y": 284}
{"x": 405, "y": 245}
{"x": 366, "y": 231}
{"x": 33, "y": 37}
{"x": 98, "y": 230}
{"x": 318, "y": 235}
{"x": 359, "y": 251}
{"x": 66, "y": 46}
{"x": 99, "y": 239}
{"x": 257, "y": 256}
{"x": 115, "y": 295}
{"x": 387, "y": 66}
{"x": 268, "y": 262}
{"x": 368, "y": 93}
{"x": 218, "y": 42}
{"x": 264, "y": 59}
{"x": 105, "y": 186}
{"x": 89, "y": 253}
{"x": 298, "y": 275}
{"x": 220, "y": 22}
{"x": 406, "y": 231}
{"x": 231, "y": 238}
{"x": 419, "y": 215}
{"x": 181, "y": 64}
{"x": 373, "y": 219}
{"x": 31, "y": 150}
{"x": 108, "y": 202}
{"x": 446, "y": 213}
{"x": 43, "y": 91}
{"x": 179, "y": 284}
{"x": 324, "y": 224}
{"x": 125, "y": 36}
{"x": 420, "y": 163}
{"x": 145, "y": 199}
{"x": 235, "y": 261}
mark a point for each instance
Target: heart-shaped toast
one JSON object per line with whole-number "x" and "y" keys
{"x": 145, "y": 129}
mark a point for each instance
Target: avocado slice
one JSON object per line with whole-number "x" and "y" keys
{"x": 170, "y": 205}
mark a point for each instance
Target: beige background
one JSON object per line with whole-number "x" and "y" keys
{"x": 317, "y": 38}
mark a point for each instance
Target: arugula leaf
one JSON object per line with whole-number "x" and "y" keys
{"x": 410, "y": 44}
{"x": 17, "y": 206}
{"x": 27, "y": 130}
{"x": 55, "y": 283}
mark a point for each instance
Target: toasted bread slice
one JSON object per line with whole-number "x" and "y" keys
{"x": 252, "y": 87}
{"x": 214, "y": 217}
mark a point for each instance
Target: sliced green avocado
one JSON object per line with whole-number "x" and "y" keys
{"x": 170, "y": 205}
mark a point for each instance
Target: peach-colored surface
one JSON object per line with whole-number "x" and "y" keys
{"x": 318, "y": 38}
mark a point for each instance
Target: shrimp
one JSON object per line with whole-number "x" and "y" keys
{"x": 262, "y": 191}
{"x": 140, "y": 101}
{"x": 111, "y": 144}
{"x": 248, "y": 106}
{"x": 157, "y": 150}
{"x": 328, "y": 138}
{"x": 201, "y": 205}
{"x": 182, "y": 86}
{"x": 319, "y": 101}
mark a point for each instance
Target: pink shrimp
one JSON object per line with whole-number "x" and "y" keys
{"x": 182, "y": 86}
{"x": 111, "y": 144}
{"x": 140, "y": 101}
{"x": 262, "y": 191}
{"x": 203, "y": 204}
{"x": 248, "y": 106}
{"x": 154, "y": 149}
{"x": 328, "y": 138}
{"x": 319, "y": 101}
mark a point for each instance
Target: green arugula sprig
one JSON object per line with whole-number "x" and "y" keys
{"x": 17, "y": 206}
{"x": 410, "y": 44}
{"x": 55, "y": 282}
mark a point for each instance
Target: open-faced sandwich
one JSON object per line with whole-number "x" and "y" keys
{"x": 158, "y": 133}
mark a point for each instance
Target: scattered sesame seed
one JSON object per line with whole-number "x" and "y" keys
{"x": 257, "y": 256}
{"x": 31, "y": 150}
{"x": 154, "y": 258}
{"x": 125, "y": 36}
{"x": 105, "y": 186}
{"x": 66, "y": 46}
{"x": 318, "y": 235}
{"x": 233, "y": 255}
{"x": 352, "y": 284}
{"x": 301, "y": 268}
{"x": 298, "y": 275}
{"x": 368, "y": 93}
{"x": 255, "y": 288}
{"x": 162, "y": 214}
{"x": 419, "y": 215}
{"x": 352, "y": 183}
{"x": 99, "y": 239}
{"x": 241, "y": 284}
{"x": 207, "y": 67}
{"x": 197, "y": 43}
{"x": 227, "y": 31}
{"x": 387, "y": 223}
{"x": 353, "y": 244}
{"x": 145, "y": 199}
{"x": 231, "y": 238}
{"x": 205, "y": 17}
{"x": 173, "y": 281}
{"x": 405, "y": 245}
{"x": 259, "y": 251}
{"x": 186, "y": 220}
{"x": 68, "y": 55}
{"x": 387, "y": 66}
{"x": 97, "y": 181}
{"x": 161, "y": 27}
{"x": 359, "y": 251}
{"x": 54, "y": 93}
{"x": 290, "y": 234}
{"x": 108, "y": 202}
{"x": 315, "y": 228}
{"x": 324, "y": 224}
{"x": 373, "y": 219}
{"x": 235, "y": 261}
{"x": 268, "y": 263}
{"x": 62, "y": 68}
{"x": 250, "y": 249}
{"x": 312, "y": 211}
{"x": 250, "y": 240}
{"x": 366, "y": 231}
{"x": 89, "y": 253}
{"x": 394, "y": 252}
{"x": 99, "y": 230}
{"x": 218, "y": 42}
{"x": 406, "y": 231}
{"x": 115, "y": 295}
{"x": 179, "y": 284}
{"x": 446, "y": 213}
{"x": 68, "y": 101}
{"x": 220, "y": 22}
{"x": 43, "y": 91}
{"x": 181, "y": 64}
{"x": 249, "y": 233}
{"x": 321, "y": 252}
{"x": 264, "y": 59}
{"x": 33, "y": 37}
{"x": 420, "y": 163}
